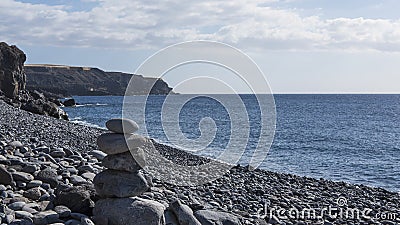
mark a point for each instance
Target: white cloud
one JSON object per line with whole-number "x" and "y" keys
{"x": 145, "y": 24}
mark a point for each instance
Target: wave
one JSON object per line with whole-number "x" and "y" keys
{"x": 85, "y": 123}
{"x": 92, "y": 104}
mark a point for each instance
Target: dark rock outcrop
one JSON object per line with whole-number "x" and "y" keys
{"x": 69, "y": 102}
{"x": 13, "y": 85}
{"x": 65, "y": 81}
{"x": 12, "y": 76}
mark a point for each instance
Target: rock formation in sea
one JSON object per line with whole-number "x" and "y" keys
{"x": 66, "y": 81}
{"x": 13, "y": 85}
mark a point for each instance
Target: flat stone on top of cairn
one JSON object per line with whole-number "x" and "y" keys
{"x": 122, "y": 178}
{"x": 122, "y": 126}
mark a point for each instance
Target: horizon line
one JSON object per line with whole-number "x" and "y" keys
{"x": 300, "y": 93}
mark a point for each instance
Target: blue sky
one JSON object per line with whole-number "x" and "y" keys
{"x": 302, "y": 46}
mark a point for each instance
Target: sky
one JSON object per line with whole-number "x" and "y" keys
{"x": 301, "y": 46}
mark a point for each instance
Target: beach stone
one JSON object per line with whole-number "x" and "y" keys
{"x": 208, "y": 217}
{"x": 16, "y": 205}
{"x": 33, "y": 193}
{"x": 86, "y": 168}
{"x": 16, "y": 144}
{"x": 72, "y": 170}
{"x": 112, "y": 183}
{"x": 76, "y": 179}
{"x": 111, "y": 143}
{"x": 78, "y": 216}
{"x": 45, "y": 205}
{"x": 131, "y": 210}
{"x": 34, "y": 183}
{"x": 73, "y": 222}
{"x": 57, "y": 153}
{"x": 29, "y": 169}
{"x": 49, "y": 176}
{"x": 125, "y": 161}
{"x": 76, "y": 198}
{"x": 170, "y": 218}
{"x": 5, "y": 176}
{"x": 98, "y": 154}
{"x": 88, "y": 175}
{"x": 122, "y": 126}
{"x": 45, "y": 217}
{"x": 183, "y": 213}
{"x": 22, "y": 176}
{"x": 86, "y": 221}
{"x": 6, "y": 215}
{"x": 63, "y": 211}
{"x": 29, "y": 209}
{"x": 23, "y": 215}
{"x": 27, "y": 221}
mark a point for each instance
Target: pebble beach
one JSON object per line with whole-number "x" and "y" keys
{"x": 48, "y": 167}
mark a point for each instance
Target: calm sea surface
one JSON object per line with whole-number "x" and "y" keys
{"x": 352, "y": 138}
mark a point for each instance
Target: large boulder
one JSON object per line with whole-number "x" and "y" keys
{"x": 120, "y": 184}
{"x": 76, "y": 198}
{"x": 133, "y": 210}
{"x": 183, "y": 213}
{"x": 12, "y": 74}
{"x": 49, "y": 176}
{"x": 69, "y": 102}
{"x": 44, "y": 107}
{"x": 125, "y": 161}
{"x": 112, "y": 143}
{"x": 208, "y": 217}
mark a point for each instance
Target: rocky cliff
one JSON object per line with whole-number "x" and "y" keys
{"x": 12, "y": 76}
{"x": 66, "y": 81}
{"x": 13, "y": 82}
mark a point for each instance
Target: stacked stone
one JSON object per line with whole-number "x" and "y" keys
{"x": 122, "y": 178}
{"x": 122, "y": 181}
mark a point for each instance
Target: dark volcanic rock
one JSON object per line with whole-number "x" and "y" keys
{"x": 131, "y": 210}
{"x": 208, "y": 217}
{"x": 5, "y": 177}
{"x": 121, "y": 184}
{"x": 12, "y": 75}
{"x": 49, "y": 176}
{"x": 77, "y": 199}
{"x": 69, "y": 102}
{"x": 43, "y": 107}
{"x": 13, "y": 82}
{"x": 68, "y": 81}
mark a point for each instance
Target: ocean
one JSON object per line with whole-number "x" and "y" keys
{"x": 351, "y": 138}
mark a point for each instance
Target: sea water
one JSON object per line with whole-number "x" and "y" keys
{"x": 352, "y": 138}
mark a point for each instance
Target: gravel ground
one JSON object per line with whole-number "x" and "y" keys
{"x": 53, "y": 162}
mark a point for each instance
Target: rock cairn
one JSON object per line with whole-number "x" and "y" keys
{"x": 119, "y": 185}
